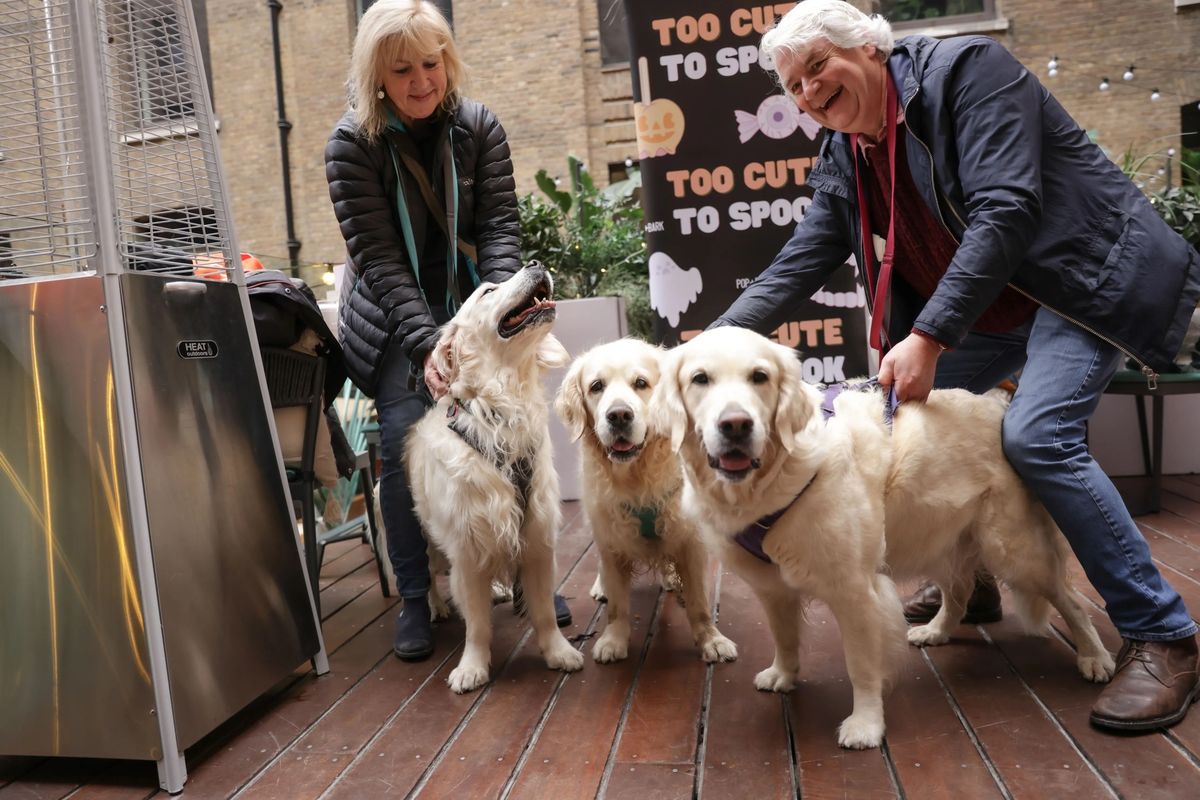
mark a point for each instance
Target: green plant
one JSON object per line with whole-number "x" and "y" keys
{"x": 1179, "y": 206}
{"x": 591, "y": 241}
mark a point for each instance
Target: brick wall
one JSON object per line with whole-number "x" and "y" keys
{"x": 536, "y": 64}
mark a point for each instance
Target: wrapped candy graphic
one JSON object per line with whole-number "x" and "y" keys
{"x": 672, "y": 288}
{"x": 659, "y": 122}
{"x": 777, "y": 117}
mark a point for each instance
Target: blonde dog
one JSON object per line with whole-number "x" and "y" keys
{"x": 754, "y": 441}
{"x": 479, "y": 463}
{"x": 631, "y": 482}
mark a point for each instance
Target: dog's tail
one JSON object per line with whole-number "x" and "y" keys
{"x": 1032, "y": 610}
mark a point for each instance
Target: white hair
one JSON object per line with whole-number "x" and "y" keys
{"x": 837, "y": 21}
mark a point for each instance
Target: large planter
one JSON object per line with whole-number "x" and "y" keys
{"x": 580, "y": 324}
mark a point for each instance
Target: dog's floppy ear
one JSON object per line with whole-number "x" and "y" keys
{"x": 668, "y": 414}
{"x": 794, "y": 408}
{"x": 569, "y": 401}
{"x": 445, "y": 354}
{"x": 551, "y": 353}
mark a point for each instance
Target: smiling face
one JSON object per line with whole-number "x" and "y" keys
{"x": 501, "y": 325}
{"x": 610, "y": 390}
{"x": 842, "y": 89}
{"x": 415, "y": 86}
{"x": 736, "y": 400}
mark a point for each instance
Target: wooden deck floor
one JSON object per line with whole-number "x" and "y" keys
{"x": 993, "y": 714}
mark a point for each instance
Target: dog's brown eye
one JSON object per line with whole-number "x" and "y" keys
{"x": 700, "y": 378}
{"x": 595, "y": 387}
{"x": 759, "y": 376}
{"x": 641, "y": 383}
{"x": 488, "y": 290}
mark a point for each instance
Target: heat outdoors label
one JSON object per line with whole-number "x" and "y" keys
{"x": 199, "y": 348}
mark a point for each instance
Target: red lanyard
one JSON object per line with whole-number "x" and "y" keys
{"x": 879, "y": 289}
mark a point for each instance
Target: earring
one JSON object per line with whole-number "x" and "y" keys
{"x": 380, "y": 94}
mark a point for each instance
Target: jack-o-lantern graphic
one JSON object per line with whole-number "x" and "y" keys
{"x": 659, "y": 122}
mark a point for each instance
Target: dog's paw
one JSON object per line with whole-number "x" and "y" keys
{"x": 773, "y": 680}
{"x": 860, "y": 731}
{"x": 439, "y": 609}
{"x": 719, "y": 648}
{"x": 564, "y": 657}
{"x": 927, "y": 636}
{"x": 467, "y": 678}
{"x": 610, "y": 648}
{"x": 1097, "y": 669}
{"x": 597, "y": 591}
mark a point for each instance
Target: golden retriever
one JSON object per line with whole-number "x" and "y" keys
{"x": 754, "y": 441}
{"x": 479, "y": 463}
{"x": 631, "y": 482}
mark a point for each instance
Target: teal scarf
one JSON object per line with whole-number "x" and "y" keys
{"x": 453, "y": 297}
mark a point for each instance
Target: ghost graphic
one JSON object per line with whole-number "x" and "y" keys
{"x": 672, "y": 288}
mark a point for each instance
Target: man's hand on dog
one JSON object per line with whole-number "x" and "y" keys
{"x": 434, "y": 380}
{"x": 910, "y": 365}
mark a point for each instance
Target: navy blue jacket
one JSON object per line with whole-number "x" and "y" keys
{"x": 1031, "y": 200}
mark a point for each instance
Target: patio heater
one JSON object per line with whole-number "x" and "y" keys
{"x": 151, "y": 583}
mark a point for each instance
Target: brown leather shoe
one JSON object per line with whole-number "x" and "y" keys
{"x": 1154, "y": 684}
{"x": 982, "y": 608}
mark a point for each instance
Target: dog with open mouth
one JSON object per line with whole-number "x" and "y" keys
{"x": 631, "y": 482}
{"x": 798, "y": 506}
{"x": 479, "y": 463}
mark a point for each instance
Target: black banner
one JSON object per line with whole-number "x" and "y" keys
{"x": 724, "y": 160}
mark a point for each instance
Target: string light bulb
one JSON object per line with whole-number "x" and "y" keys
{"x": 1104, "y": 84}
{"x": 628, "y": 162}
{"x": 1154, "y": 95}
{"x": 1053, "y": 65}
{"x": 1128, "y": 76}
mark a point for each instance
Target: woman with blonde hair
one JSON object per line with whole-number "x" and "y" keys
{"x": 422, "y": 186}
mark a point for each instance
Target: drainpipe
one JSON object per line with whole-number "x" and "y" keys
{"x": 293, "y": 244}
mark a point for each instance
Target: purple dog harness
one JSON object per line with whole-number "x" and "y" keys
{"x": 751, "y": 537}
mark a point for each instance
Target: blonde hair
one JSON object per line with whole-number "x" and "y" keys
{"x": 395, "y": 30}
{"x": 840, "y": 23}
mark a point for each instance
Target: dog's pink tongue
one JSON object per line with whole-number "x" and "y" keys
{"x": 734, "y": 462}
{"x": 622, "y": 446}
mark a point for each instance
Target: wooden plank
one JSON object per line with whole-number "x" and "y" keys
{"x": 655, "y": 782}
{"x": 53, "y": 778}
{"x": 663, "y": 723}
{"x": 393, "y": 762}
{"x": 1136, "y": 766}
{"x": 485, "y": 752}
{"x": 746, "y": 750}
{"x": 815, "y": 708}
{"x": 1025, "y": 747}
{"x": 567, "y": 760}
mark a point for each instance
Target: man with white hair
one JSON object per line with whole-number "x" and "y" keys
{"x": 1005, "y": 241}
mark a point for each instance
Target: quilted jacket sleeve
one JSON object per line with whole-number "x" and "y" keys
{"x": 355, "y": 170}
{"x": 497, "y": 231}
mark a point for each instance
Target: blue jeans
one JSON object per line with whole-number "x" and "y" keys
{"x": 399, "y": 408}
{"x": 1065, "y": 370}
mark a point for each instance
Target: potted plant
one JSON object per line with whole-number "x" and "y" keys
{"x": 591, "y": 241}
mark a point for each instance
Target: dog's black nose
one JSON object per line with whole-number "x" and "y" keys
{"x": 619, "y": 416}
{"x": 735, "y": 424}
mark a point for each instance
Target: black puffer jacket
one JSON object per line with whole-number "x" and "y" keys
{"x": 381, "y": 303}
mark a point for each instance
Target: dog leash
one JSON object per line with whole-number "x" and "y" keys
{"x": 519, "y": 471}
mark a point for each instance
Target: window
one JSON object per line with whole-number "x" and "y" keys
{"x": 912, "y": 13}
{"x": 164, "y": 92}
{"x": 614, "y": 36}
{"x": 444, "y": 6}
